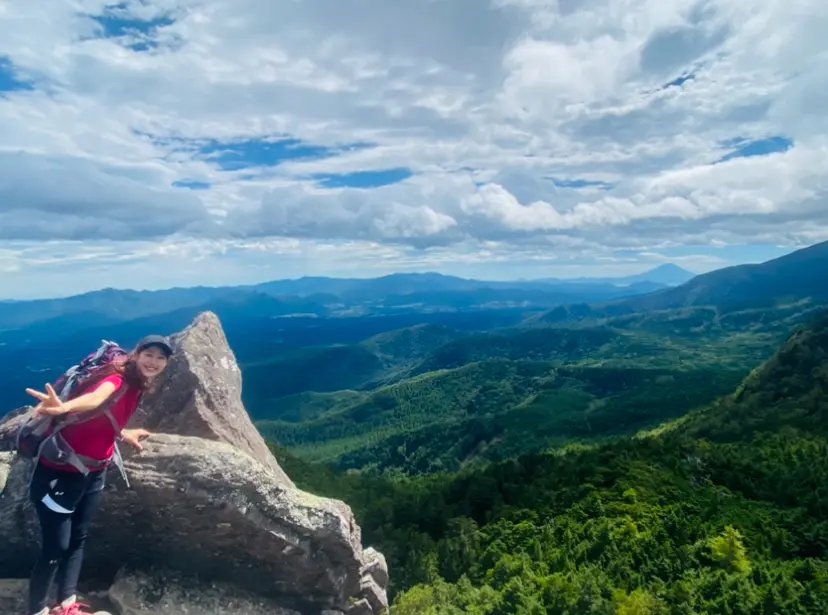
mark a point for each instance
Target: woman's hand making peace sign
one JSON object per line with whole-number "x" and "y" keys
{"x": 49, "y": 402}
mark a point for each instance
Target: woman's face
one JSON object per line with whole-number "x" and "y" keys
{"x": 151, "y": 362}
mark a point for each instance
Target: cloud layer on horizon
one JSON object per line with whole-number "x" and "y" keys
{"x": 436, "y": 131}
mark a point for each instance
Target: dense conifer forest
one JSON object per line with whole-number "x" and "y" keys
{"x": 719, "y": 511}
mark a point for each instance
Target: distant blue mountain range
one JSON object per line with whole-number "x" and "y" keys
{"x": 325, "y": 296}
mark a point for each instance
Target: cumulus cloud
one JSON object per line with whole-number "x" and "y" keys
{"x": 425, "y": 125}
{"x": 72, "y": 198}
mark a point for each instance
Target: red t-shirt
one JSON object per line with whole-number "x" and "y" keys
{"x": 96, "y": 438}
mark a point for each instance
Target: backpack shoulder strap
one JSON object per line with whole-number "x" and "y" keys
{"x": 111, "y": 403}
{"x": 105, "y": 409}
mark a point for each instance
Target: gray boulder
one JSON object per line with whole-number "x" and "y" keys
{"x": 13, "y": 596}
{"x": 166, "y": 592}
{"x": 374, "y": 565}
{"x": 5, "y": 467}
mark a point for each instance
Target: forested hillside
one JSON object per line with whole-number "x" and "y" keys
{"x": 494, "y": 410}
{"x": 487, "y": 396}
{"x": 334, "y": 367}
{"x": 790, "y": 390}
{"x": 722, "y": 512}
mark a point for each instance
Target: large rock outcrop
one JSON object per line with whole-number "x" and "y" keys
{"x": 210, "y": 505}
{"x": 200, "y": 394}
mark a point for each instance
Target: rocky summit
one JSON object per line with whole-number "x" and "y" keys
{"x": 209, "y": 523}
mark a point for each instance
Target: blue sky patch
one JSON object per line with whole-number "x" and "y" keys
{"x": 259, "y": 153}
{"x": 761, "y": 147}
{"x": 137, "y": 34}
{"x": 115, "y": 26}
{"x": 363, "y": 179}
{"x": 579, "y": 183}
{"x": 10, "y": 79}
{"x": 680, "y": 81}
{"x": 192, "y": 184}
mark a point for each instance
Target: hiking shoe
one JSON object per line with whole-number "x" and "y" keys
{"x": 77, "y": 608}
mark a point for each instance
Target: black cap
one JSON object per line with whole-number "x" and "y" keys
{"x": 155, "y": 340}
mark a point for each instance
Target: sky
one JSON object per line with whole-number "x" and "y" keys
{"x": 158, "y": 143}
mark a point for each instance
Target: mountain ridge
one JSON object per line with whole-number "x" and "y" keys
{"x": 800, "y": 274}
{"x": 668, "y": 274}
{"x": 798, "y": 279}
{"x": 323, "y": 294}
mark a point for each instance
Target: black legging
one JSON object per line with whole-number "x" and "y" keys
{"x": 63, "y": 534}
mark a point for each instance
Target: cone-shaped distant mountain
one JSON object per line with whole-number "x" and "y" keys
{"x": 801, "y": 275}
{"x": 667, "y": 275}
{"x": 783, "y": 287}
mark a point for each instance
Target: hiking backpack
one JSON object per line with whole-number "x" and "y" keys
{"x": 39, "y": 436}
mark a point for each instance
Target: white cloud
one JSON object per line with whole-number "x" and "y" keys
{"x": 535, "y": 124}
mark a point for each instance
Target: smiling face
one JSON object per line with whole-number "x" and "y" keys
{"x": 151, "y": 361}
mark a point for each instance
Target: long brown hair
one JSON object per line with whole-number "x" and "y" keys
{"x": 124, "y": 366}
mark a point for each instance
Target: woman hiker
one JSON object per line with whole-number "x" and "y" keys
{"x": 65, "y": 499}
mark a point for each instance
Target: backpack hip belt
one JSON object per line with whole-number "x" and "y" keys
{"x": 56, "y": 450}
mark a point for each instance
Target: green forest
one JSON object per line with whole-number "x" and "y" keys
{"x": 532, "y": 485}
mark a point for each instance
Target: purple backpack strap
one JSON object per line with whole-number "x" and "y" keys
{"x": 105, "y": 408}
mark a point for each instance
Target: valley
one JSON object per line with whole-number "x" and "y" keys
{"x": 720, "y": 511}
{"x": 535, "y": 447}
